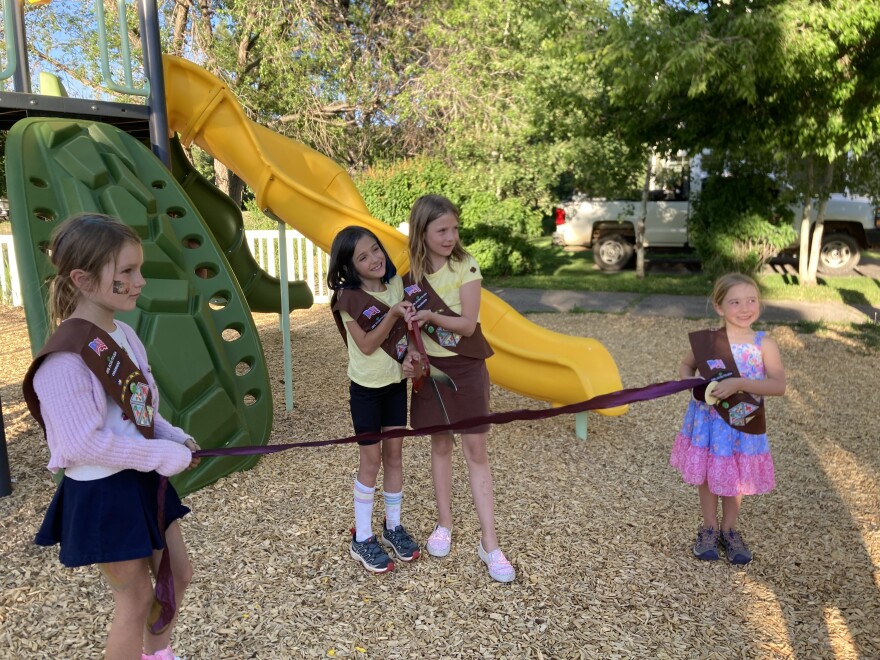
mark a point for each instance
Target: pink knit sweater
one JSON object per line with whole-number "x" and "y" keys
{"x": 74, "y": 408}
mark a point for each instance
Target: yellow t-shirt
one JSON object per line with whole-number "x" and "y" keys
{"x": 447, "y": 282}
{"x": 378, "y": 369}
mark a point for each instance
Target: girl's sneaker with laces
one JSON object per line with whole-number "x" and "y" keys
{"x": 500, "y": 569}
{"x": 400, "y": 542}
{"x": 737, "y": 550}
{"x": 706, "y": 546}
{"x": 370, "y": 554}
{"x": 440, "y": 542}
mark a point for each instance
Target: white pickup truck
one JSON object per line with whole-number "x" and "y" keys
{"x": 608, "y": 227}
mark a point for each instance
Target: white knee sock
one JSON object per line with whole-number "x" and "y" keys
{"x": 363, "y": 511}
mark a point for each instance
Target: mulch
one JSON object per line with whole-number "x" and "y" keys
{"x": 600, "y": 532}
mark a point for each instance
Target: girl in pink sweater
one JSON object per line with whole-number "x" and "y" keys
{"x": 92, "y": 392}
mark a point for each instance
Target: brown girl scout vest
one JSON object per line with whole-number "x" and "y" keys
{"x": 715, "y": 362}
{"x": 115, "y": 370}
{"x": 368, "y": 311}
{"x": 423, "y": 296}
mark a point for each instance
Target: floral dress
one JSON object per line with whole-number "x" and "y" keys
{"x": 708, "y": 450}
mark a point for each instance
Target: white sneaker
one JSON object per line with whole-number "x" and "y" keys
{"x": 500, "y": 569}
{"x": 440, "y": 542}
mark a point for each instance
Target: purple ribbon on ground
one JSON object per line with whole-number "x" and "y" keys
{"x": 164, "y": 579}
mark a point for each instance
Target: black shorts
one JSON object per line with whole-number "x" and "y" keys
{"x": 375, "y": 408}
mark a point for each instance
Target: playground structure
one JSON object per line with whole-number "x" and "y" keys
{"x": 67, "y": 155}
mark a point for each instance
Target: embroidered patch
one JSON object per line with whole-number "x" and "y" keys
{"x": 400, "y": 347}
{"x": 97, "y": 345}
{"x": 740, "y": 413}
{"x": 138, "y": 392}
{"x": 411, "y": 289}
{"x": 370, "y": 312}
{"x": 446, "y": 338}
{"x": 143, "y": 414}
{"x": 715, "y": 364}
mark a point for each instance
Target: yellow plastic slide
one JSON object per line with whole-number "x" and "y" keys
{"x": 315, "y": 196}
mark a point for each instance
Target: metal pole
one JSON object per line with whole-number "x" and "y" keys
{"x": 151, "y": 45}
{"x": 21, "y": 77}
{"x": 5, "y": 479}
{"x": 285, "y": 310}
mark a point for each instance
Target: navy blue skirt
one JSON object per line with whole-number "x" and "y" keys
{"x": 109, "y": 519}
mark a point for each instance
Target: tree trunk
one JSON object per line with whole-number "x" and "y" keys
{"x": 816, "y": 246}
{"x": 804, "y": 248}
{"x": 804, "y": 232}
{"x": 221, "y": 176}
{"x": 640, "y": 225}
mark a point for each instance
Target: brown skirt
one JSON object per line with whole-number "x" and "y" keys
{"x": 471, "y": 399}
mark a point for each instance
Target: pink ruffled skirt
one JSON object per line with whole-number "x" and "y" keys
{"x": 707, "y": 450}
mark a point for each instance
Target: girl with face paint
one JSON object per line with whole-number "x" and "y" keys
{"x": 111, "y": 443}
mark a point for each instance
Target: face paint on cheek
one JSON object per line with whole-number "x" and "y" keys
{"x": 121, "y": 287}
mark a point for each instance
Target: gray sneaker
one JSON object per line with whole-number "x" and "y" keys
{"x": 399, "y": 540}
{"x": 737, "y": 550}
{"x": 706, "y": 546}
{"x": 370, "y": 554}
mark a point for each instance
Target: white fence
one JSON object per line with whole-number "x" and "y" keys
{"x": 305, "y": 262}
{"x": 10, "y": 287}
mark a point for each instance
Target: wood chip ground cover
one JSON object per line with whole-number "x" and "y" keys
{"x": 599, "y": 531}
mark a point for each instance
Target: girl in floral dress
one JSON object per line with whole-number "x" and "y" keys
{"x": 722, "y": 447}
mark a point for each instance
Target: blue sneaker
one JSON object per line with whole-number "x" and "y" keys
{"x": 399, "y": 540}
{"x": 370, "y": 554}
{"x": 706, "y": 546}
{"x": 737, "y": 550}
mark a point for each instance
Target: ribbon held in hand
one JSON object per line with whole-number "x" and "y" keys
{"x": 423, "y": 371}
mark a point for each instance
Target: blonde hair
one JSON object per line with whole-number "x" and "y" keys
{"x": 726, "y": 282}
{"x": 426, "y": 209}
{"x": 87, "y": 242}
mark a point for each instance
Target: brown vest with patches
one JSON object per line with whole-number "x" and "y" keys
{"x": 114, "y": 369}
{"x": 423, "y": 296}
{"x": 368, "y": 311}
{"x": 742, "y": 411}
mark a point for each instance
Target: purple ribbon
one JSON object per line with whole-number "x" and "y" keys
{"x": 610, "y": 400}
{"x": 165, "y": 600}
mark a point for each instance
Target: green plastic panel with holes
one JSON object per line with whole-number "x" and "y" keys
{"x": 203, "y": 347}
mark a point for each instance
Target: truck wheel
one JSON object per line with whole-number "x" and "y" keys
{"x": 612, "y": 252}
{"x": 840, "y": 254}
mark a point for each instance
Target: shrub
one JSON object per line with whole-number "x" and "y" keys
{"x": 739, "y": 224}
{"x": 495, "y": 232}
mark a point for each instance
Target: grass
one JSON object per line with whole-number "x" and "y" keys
{"x": 575, "y": 271}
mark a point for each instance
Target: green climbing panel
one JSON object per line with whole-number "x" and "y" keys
{"x": 263, "y": 291}
{"x": 203, "y": 346}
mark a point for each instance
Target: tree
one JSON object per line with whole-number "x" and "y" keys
{"x": 780, "y": 81}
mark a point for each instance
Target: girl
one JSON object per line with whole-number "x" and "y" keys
{"x": 444, "y": 285}
{"x": 92, "y": 392}
{"x": 369, "y": 310}
{"x": 722, "y": 447}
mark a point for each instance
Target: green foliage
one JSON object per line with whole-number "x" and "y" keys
{"x": 496, "y": 232}
{"x": 390, "y": 191}
{"x": 739, "y": 224}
